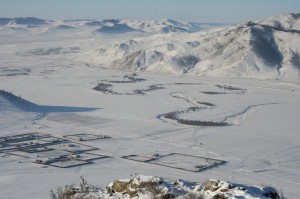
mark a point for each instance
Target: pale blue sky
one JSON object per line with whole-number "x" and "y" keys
{"x": 182, "y": 10}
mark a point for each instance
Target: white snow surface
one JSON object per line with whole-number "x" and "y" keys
{"x": 245, "y": 78}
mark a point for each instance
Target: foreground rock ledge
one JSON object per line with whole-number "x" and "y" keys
{"x": 149, "y": 187}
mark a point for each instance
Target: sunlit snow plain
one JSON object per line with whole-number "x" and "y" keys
{"x": 258, "y": 138}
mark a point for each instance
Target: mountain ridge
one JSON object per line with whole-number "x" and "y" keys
{"x": 262, "y": 49}
{"x": 115, "y": 25}
{"x": 248, "y": 50}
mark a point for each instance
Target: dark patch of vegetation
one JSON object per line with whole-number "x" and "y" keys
{"x": 149, "y": 89}
{"x": 72, "y": 192}
{"x": 205, "y": 103}
{"x": 193, "y": 101}
{"x": 213, "y": 93}
{"x": 201, "y": 123}
{"x": 220, "y": 196}
{"x": 181, "y": 83}
{"x": 230, "y": 88}
{"x": 168, "y": 196}
{"x": 120, "y": 81}
{"x": 174, "y": 116}
{"x": 44, "y": 51}
{"x": 105, "y": 88}
{"x": 134, "y": 78}
{"x": 129, "y": 79}
{"x": 14, "y": 72}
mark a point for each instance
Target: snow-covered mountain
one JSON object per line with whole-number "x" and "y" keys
{"x": 287, "y": 21}
{"x": 267, "y": 49}
{"x": 162, "y": 26}
{"x": 23, "y": 21}
{"x": 111, "y": 26}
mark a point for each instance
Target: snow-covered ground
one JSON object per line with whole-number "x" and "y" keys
{"x": 149, "y": 187}
{"x": 63, "y": 81}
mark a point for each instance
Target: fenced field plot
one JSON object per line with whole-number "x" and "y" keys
{"x": 49, "y": 150}
{"x": 86, "y": 137}
{"x": 90, "y": 156}
{"x": 63, "y": 162}
{"x": 139, "y": 158}
{"x": 179, "y": 161}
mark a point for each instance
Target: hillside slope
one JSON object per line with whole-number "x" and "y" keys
{"x": 267, "y": 49}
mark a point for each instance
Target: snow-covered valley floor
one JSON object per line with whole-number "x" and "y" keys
{"x": 251, "y": 125}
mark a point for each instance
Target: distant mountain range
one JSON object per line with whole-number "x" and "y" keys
{"x": 22, "y": 21}
{"x": 264, "y": 49}
{"x": 113, "y": 25}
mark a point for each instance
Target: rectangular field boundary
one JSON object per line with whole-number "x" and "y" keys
{"x": 216, "y": 162}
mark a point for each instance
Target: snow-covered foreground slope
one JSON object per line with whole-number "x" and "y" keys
{"x": 59, "y": 84}
{"x": 149, "y": 187}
